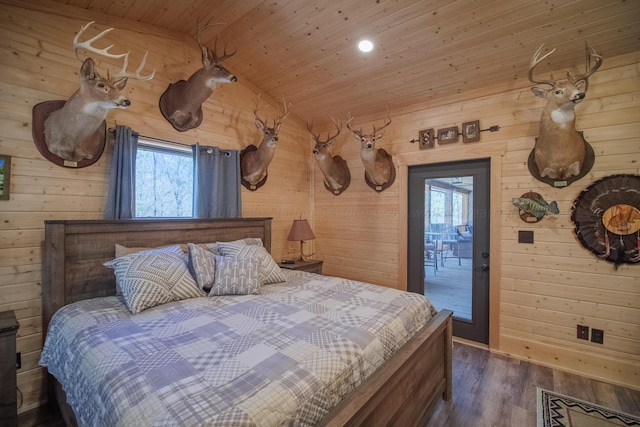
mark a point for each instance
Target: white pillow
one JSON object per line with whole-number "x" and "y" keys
{"x": 236, "y": 276}
{"x": 202, "y": 265}
{"x": 153, "y": 277}
{"x": 269, "y": 270}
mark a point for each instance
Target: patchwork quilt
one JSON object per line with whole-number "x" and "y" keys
{"x": 283, "y": 357}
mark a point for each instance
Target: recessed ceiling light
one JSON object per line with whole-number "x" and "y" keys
{"x": 365, "y": 46}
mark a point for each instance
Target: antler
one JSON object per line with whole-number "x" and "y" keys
{"x": 278, "y": 120}
{"x": 315, "y": 137}
{"x": 206, "y": 52}
{"x": 589, "y": 53}
{"x": 349, "y": 119}
{"x": 123, "y": 71}
{"x": 387, "y": 122}
{"x": 255, "y": 112}
{"x": 329, "y": 141}
{"x": 535, "y": 60}
{"x": 338, "y": 125}
{"x": 105, "y": 52}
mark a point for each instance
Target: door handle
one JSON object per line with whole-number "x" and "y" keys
{"x": 483, "y": 267}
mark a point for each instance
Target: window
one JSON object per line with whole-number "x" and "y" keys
{"x": 164, "y": 181}
{"x": 457, "y": 215}
{"x": 447, "y": 203}
{"x": 438, "y": 198}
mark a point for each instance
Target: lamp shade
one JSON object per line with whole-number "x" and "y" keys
{"x": 300, "y": 230}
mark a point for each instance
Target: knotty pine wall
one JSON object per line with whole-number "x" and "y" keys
{"x": 539, "y": 292}
{"x": 37, "y": 64}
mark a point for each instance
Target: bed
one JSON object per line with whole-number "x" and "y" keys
{"x": 401, "y": 391}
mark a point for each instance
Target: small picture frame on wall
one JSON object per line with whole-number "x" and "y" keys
{"x": 471, "y": 131}
{"x": 427, "y": 139}
{"x": 448, "y": 135}
{"x": 5, "y": 176}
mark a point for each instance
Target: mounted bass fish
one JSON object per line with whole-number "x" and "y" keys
{"x": 533, "y": 207}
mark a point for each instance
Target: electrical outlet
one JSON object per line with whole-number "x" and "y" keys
{"x": 526, "y": 236}
{"x": 597, "y": 336}
{"x": 583, "y": 332}
{"x": 18, "y": 360}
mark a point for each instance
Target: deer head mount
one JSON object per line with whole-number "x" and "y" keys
{"x": 181, "y": 103}
{"x": 379, "y": 170}
{"x": 559, "y": 152}
{"x": 254, "y": 161}
{"x": 334, "y": 168}
{"x": 70, "y": 132}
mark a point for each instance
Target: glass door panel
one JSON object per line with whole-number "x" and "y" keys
{"x": 448, "y": 243}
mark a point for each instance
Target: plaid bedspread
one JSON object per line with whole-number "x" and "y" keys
{"x": 284, "y": 357}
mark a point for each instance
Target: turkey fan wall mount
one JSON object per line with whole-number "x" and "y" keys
{"x": 607, "y": 218}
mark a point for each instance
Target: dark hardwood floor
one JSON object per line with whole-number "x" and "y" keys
{"x": 40, "y": 417}
{"x": 489, "y": 390}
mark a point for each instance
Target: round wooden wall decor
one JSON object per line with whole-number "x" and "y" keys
{"x": 607, "y": 218}
{"x": 589, "y": 160}
{"x": 40, "y": 113}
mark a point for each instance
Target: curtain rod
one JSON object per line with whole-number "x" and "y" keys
{"x": 153, "y": 138}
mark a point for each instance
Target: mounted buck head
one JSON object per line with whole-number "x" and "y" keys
{"x": 181, "y": 103}
{"x": 379, "y": 171}
{"x": 559, "y": 149}
{"x": 70, "y": 131}
{"x": 334, "y": 168}
{"x": 255, "y": 161}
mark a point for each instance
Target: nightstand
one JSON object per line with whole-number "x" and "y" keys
{"x": 8, "y": 401}
{"x": 312, "y": 266}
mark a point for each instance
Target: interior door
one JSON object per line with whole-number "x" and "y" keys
{"x": 448, "y": 244}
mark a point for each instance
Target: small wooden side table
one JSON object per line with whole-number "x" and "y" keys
{"x": 8, "y": 396}
{"x": 312, "y": 266}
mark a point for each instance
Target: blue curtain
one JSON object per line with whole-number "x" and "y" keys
{"x": 122, "y": 178}
{"x": 216, "y": 185}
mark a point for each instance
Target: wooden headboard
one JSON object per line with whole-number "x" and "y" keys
{"x": 74, "y": 250}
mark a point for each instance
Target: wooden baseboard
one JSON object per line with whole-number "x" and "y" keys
{"x": 471, "y": 343}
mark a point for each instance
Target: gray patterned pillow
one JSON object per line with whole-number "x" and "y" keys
{"x": 215, "y": 247}
{"x": 236, "y": 276}
{"x": 270, "y": 271}
{"x": 153, "y": 277}
{"x": 202, "y": 265}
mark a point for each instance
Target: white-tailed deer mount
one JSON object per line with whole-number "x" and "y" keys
{"x": 181, "y": 103}
{"x": 254, "y": 161}
{"x": 379, "y": 171}
{"x": 559, "y": 152}
{"x": 75, "y": 131}
{"x": 334, "y": 168}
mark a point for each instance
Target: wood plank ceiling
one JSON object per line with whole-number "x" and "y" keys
{"x": 427, "y": 53}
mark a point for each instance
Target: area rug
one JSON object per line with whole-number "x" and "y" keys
{"x": 557, "y": 410}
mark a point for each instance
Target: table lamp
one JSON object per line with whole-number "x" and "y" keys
{"x": 301, "y": 231}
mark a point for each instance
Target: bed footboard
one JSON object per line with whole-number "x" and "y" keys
{"x": 403, "y": 391}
